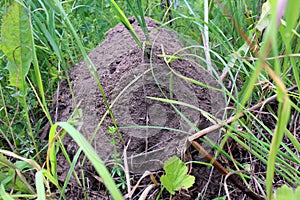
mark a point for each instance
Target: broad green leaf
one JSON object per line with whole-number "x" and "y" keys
{"x": 176, "y": 175}
{"x": 16, "y": 44}
{"x": 285, "y": 192}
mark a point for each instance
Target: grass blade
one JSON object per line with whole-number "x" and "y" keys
{"x": 143, "y": 24}
{"x": 92, "y": 156}
{"x": 41, "y": 193}
{"x": 3, "y": 194}
{"x": 123, "y": 19}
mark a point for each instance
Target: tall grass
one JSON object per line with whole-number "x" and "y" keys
{"x": 252, "y": 48}
{"x": 20, "y": 80}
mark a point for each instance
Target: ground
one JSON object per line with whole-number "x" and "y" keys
{"x": 122, "y": 68}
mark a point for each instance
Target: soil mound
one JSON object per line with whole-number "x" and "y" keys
{"x": 153, "y": 130}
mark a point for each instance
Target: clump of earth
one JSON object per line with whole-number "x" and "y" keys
{"x": 152, "y": 130}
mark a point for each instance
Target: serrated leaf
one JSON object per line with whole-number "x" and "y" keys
{"x": 176, "y": 175}
{"x": 285, "y": 192}
{"x": 16, "y": 35}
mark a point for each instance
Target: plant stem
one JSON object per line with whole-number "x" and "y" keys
{"x": 22, "y": 101}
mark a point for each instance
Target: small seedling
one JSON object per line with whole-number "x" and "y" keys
{"x": 112, "y": 131}
{"x": 118, "y": 173}
{"x": 176, "y": 176}
{"x": 116, "y": 170}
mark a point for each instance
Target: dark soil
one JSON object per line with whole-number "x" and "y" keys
{"x": 119, "y": 62}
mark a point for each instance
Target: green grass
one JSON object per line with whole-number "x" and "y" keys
{"x": 235, "y": 47}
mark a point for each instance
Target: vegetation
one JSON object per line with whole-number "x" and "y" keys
{"x": 251, "y": 47}
{"x": 176, "y": 176}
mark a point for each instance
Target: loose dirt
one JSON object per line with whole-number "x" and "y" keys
{"x": 130, "y": 76}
